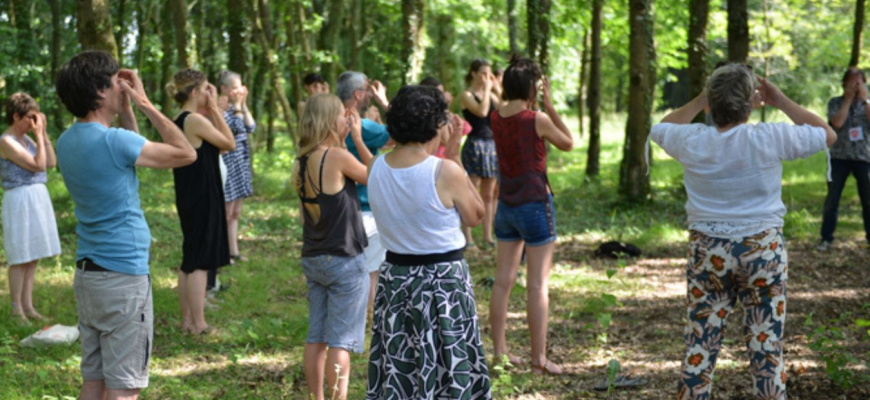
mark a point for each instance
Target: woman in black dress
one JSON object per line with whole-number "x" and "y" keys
{"x": 199, "y": 196}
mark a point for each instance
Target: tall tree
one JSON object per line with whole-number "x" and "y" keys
{"x": 413, "y": 29}
{"x": 538, "y": 16}
{"x": 333, "y": 19}
{"x": 857, "y": 30}
{"x": 236, "y": 30}
{"x": 696, "y": 48}
{"x": 166, "y": 39}
{"x": 581, "y": 86}
{"x": 271, "y": 61}
{"x": 512, "y": 25}
{"x": 592, "y": 154}
{"x": 633, "y": 179}
{"x": 57, "y": 112}
{"x": 738, "y": 31}
{"x": 95, "y": 26}
{"x": 180, "y": 25}
{"x": 121, "y": 25}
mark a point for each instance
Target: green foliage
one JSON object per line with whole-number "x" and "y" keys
{"x": 828, "y": 340}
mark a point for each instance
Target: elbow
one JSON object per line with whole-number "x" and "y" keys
{"x": 189, "y": 157}
{"x": 568, "y": 145}
{"x": 831, "y": 137}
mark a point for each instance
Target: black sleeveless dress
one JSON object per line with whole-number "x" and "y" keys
{"x": 199, "y": 199}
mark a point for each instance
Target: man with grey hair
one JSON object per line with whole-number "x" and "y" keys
{"x": 849, "y": 115}
{"x": 355, "y": 92}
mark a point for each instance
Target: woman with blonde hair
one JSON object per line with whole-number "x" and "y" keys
{"x": 29, "y": 227}
{"x": 199, "y": 196}
{"x": 333, "y": 241}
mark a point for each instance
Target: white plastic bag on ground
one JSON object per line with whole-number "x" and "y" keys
{"x": 55, "y": 334}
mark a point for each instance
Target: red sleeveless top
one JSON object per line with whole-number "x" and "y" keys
{"x": 522, "y": 159}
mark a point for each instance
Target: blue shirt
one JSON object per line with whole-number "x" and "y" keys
{"x": 375, "y": 136}
{"x": 98, "y": 165}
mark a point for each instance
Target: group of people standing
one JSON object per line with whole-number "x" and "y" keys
{"x": 205, "y": 145}
{"x": 386, "y": 231}
{"x": 391, "y": 226}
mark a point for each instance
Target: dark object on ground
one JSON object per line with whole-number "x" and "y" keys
{"x": 486, "y": 281}
{"x": 621, "y": 382}
{"x": 614, "y": 249}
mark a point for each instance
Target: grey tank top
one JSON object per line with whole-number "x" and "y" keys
{"x": 339, "y": 231}
{"x": 14, "y": 176}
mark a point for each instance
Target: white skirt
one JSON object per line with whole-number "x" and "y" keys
{"x": 29, "y": 227}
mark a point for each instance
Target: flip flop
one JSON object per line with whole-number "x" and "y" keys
{"x": 621, "y": 382}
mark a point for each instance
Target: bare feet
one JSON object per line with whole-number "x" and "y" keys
{"x": 549, "y": 368}
{"x": 20, "y": 316}
{"x": 35, "y": 315}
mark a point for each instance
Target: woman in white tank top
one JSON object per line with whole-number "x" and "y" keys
{"x": 419, "y": 203}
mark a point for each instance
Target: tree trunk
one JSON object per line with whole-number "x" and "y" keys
{"x": 413, "y": 29}
{"x": 358, "y": 33}
{"x": 538, "y": 14}
{"x": 857, "y": 29}
{"x": 292, "y": 39}
{"x": 58, "y": 115}
{"x": 179, "y": 22}
{"x": 94, "y": 26}
{"x": 738, "y": 31}
{"x": 121, "y": 22}
{"x": 697, "y": 49}
{"x": 592, "y": 155}
{"x": 142, "y": 20}
{"x": 634, "y": 182}
{"x": 236, "y": 25}
{"x": 270, "y": 121}
{"x": 512, "y": 25}
{"x": 333, "y": 17}
{"x": 166, "y": 36}
{"x": 446, "y": 58}
{"x": 274, "y": 73}
{"x": 581, "y": 84}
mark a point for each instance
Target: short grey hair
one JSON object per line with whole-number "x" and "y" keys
{"x": 226, "y": 76}
{"x": 729, "y": 94}
{"x": 349, "y": 82}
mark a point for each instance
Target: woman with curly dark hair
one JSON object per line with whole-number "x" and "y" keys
{"x": 425, "y": 333}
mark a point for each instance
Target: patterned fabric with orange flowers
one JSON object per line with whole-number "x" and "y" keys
{"x": 753, "y": 269}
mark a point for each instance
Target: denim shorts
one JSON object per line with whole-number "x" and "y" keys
{"x": 533, "y": 222}
{"x": 116, "y": 322}
{"x": 338, "y": 295}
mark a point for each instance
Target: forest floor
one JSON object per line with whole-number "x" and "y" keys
{"x": 645, "y": 335}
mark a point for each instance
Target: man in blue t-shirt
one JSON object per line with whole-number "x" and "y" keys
{"x": 355, "y": 92}
{"x": 98, "y": 162}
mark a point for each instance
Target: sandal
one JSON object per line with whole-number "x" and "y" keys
{"x": 513, "y": 360}
{"x": 549, "y": 368}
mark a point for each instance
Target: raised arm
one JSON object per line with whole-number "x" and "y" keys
{"x": 686, "y": 113}
{"x": 355, "y": 123}
{"x": 50, "y": 156}
{"x": 175, "y": 151}
{"x": 379, "y": 93}
{"x": 214, "y": 129}
{"x": 14, "y": 151}
{"x": 550, "y": 126}
{"x": 799, "y": 115}
{"x": 479, "y": 108}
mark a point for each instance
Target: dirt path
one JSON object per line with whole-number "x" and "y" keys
{"x": 646, "y": 331}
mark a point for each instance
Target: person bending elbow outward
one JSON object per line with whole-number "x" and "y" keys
{"x": 733, "y": 179}
{"x": 525, "y": 214}
{"x": 98, "y": 162}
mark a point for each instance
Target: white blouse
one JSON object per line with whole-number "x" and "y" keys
{"x": 734, "y": 178}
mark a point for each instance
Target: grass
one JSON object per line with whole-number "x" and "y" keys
{"x": 257, "y": 349}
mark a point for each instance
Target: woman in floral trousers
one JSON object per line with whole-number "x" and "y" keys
{"x": 733, "y": 178}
